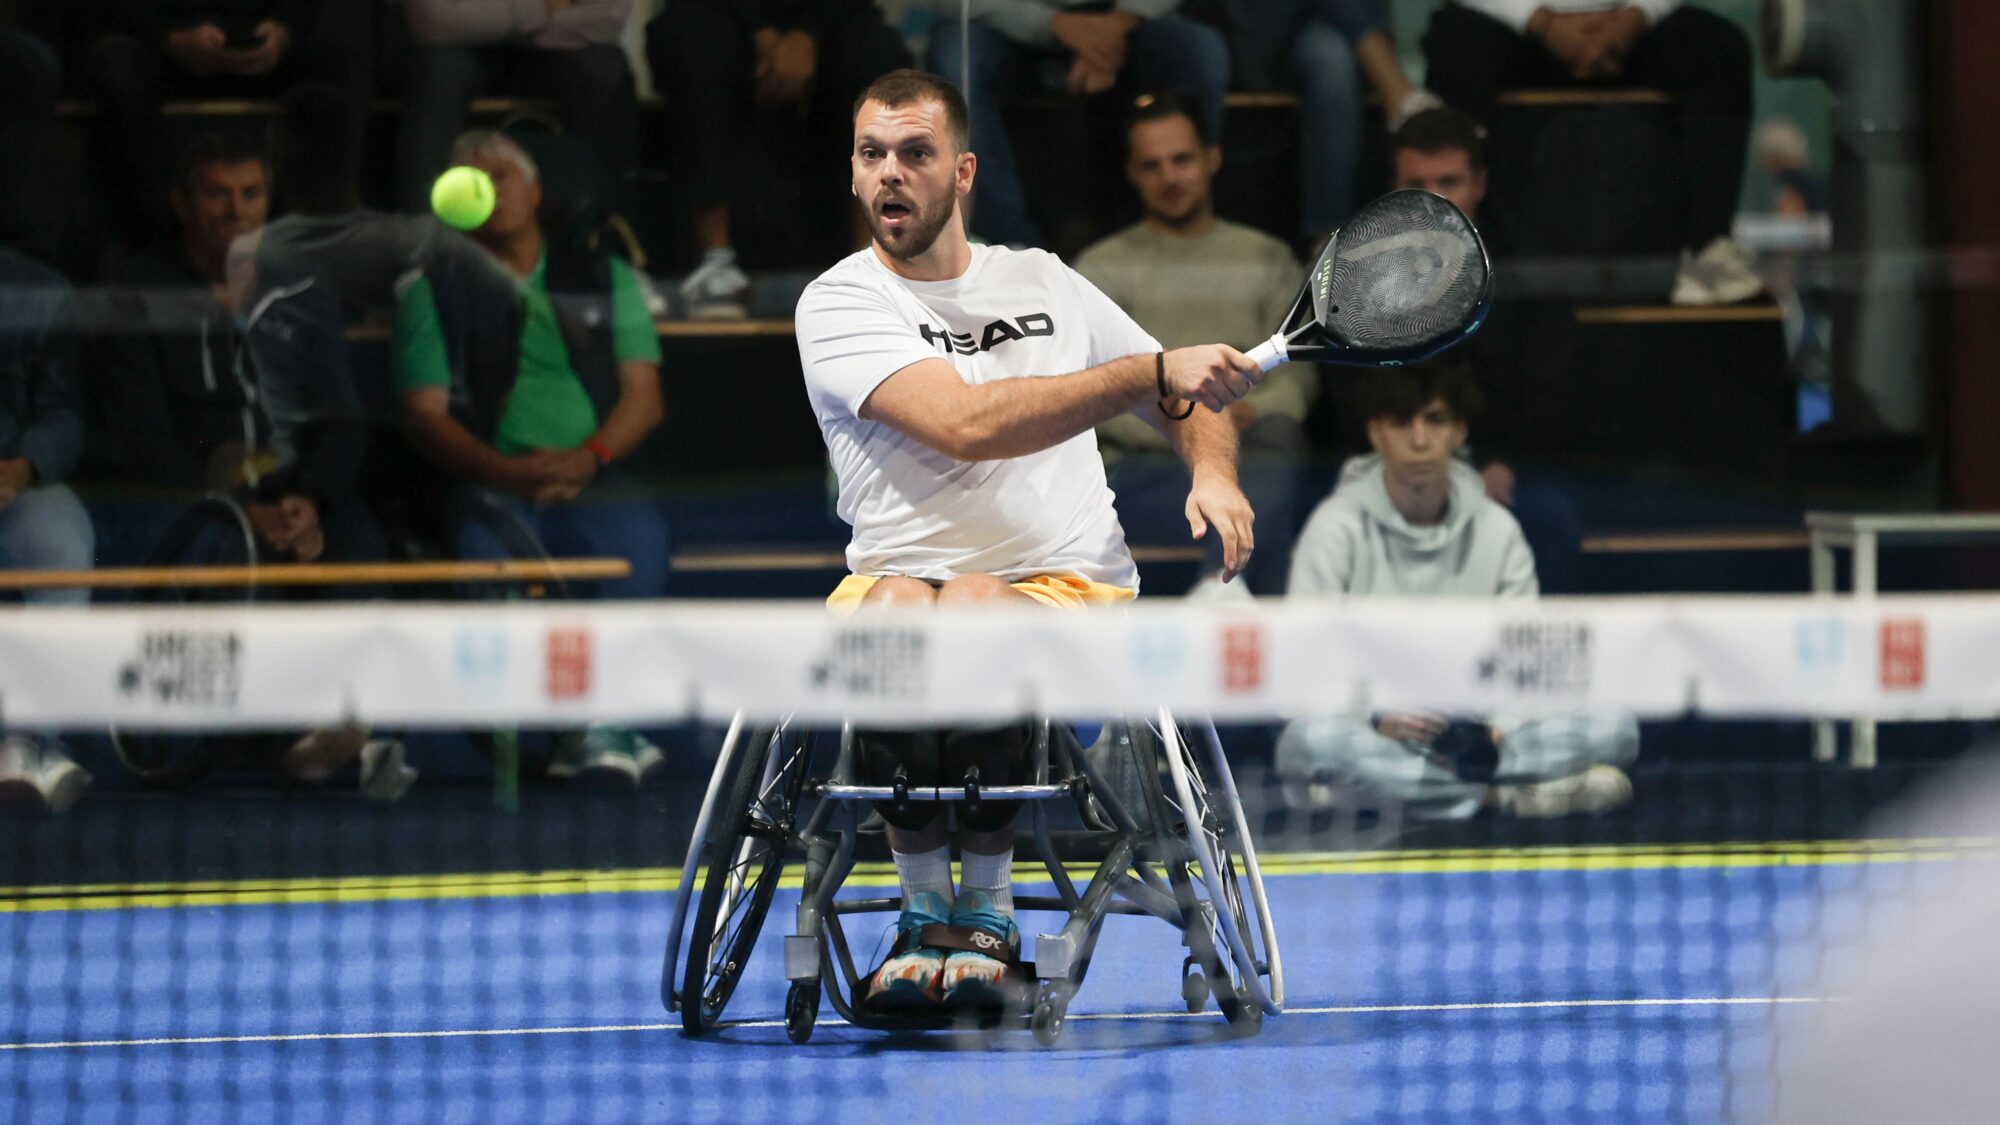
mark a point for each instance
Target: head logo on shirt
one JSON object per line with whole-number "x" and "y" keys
{"x": 997, "y": 333}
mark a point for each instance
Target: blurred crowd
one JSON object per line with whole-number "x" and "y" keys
{"x": 257, "y": 306}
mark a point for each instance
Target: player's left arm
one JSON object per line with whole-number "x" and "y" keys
{"x": 1207, "y": 442}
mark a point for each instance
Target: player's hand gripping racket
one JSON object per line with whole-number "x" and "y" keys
{"x": 1401, "y": 281}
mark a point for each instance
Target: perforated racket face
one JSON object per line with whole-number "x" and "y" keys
{"x": 1404, "y": 272}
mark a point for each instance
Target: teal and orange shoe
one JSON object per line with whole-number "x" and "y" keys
{"x": 908, "y": 980}
{"x": 987, "y": 976}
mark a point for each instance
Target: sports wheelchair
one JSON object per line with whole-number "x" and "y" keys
{"x": 1158, "y": 805}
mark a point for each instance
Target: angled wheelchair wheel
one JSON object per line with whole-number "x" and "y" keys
{"x": 214, "y": 531}
{"x": 1232, "y": 942}
{"x": 742, "y": 861}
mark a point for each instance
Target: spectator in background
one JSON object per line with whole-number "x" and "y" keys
{"x": 1072, "y": 45}
{"x": 528, "y": 386}
{"x": 1413, "y": 521}
{"x": 1479, "y": 48}
{"x": 162, "y": 49}
{"x": 793, "y": 67}
{"x": 30, "y": 79}
{"x": 42, "y": 524}
{"x": 1527, "y": 417}
{"x": 566, "y": 50}
{"x": 1325, "y": 50}
{"x": 1189, "y": 277}
{"x": 170, "y": 402}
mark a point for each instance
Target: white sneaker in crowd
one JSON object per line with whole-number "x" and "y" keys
{"x": 1721, "y": 274}
{"x": 318, "y": 754}
{"x": 385, "y": 776}
{"x": 718, "y": 289}
{"x": 20, "y": 771}
{"x": 1598, "y": 789}
{"x": 60, "y": 779}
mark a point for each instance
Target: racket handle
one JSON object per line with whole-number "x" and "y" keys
{"x": 1268, "y": 354}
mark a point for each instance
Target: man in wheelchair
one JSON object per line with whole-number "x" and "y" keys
{"x": 957, "y": 388}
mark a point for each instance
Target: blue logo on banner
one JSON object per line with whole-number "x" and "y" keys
{"x": 1820, "y": 643}
{"x": 482, "y": 659}
{"x": 1159, "y": 652}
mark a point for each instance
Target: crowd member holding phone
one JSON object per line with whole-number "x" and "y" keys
{"x": 158, "y": 50}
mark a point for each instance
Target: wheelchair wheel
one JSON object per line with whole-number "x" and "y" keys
{"x": 744, "y": 858}
{"x": 801, "y": 1010}
{"x": 214, "y": 531}
{"x": 1207, "y": 823}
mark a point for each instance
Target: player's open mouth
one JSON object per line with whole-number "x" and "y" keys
{"x": 893, "y": 212}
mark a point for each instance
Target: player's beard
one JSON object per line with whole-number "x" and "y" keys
{"x": 922, "y": 229}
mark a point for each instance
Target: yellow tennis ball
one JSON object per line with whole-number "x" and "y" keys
{"x": 463, "y": 197}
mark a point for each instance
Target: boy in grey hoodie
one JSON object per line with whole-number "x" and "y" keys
{"x": 1414, "y": 520}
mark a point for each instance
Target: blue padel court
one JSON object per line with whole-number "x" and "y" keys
{"x": 1595, "y": 983}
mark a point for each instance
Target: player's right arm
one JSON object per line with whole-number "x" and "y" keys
{"x": 930, "y": 401}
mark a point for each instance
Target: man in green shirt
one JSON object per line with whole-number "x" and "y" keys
{"x": 527, "y": 381}
{"x": 1187, "y": 276}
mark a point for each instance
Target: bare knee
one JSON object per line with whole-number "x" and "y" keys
{"x": 896, "y": 590}
{"x": 970, "y": 588}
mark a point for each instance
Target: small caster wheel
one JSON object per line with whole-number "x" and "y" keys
{"x": 1047, "y": 1022}
{"x": 1194, "y": 986}
{"x": 801, "y": 1011}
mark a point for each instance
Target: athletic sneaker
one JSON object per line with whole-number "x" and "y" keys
{"x": 718, "y": 289}
{"x": 1415, "y": 102}
{"x": 909, "y": 978}
{"x": 20, "y": 771}
{"x": 384, "y": 774}
{"x": 1720, "y": 274}
{"x": 604, "y": 755}
{"x": 977, "y": 980}
{"x": 319, "y": 753}
{"x": 60, "y": 780}
{"x": 1598, "y": 789}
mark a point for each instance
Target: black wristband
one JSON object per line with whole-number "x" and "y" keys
{"x": 1160, "y": 381}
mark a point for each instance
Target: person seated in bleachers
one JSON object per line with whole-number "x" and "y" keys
{"x": 1187, "y": 277}
{"x": 43, "y": 526}
{"x": 158, "y": 50}
{"x": 730, "y": 70}
{"x": 168, "y": 405}
{"x": 1529, "y": 417}
{"x": 30, "y": 80}
{"x": 1413, "y": 521}
{"x": 1478, "y": 49}
{"x": 1073, "y": 45}
{"x": 1325, "y": 50}
{"x": 528, "y": 384}
{"x": 566, "y": 50}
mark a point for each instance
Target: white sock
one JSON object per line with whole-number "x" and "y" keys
{"x": 993, "y": 874}
{"x": 925, "y": 871}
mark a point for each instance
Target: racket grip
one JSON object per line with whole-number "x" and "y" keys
{"x": 1268, "y": 354}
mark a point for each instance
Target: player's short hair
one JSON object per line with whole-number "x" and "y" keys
{"x": 217, "y": 146}
{"x": 1399, "y": 393}
{"x": 1442, "y": 130}
{"x": 909, "y": 87}
{"x": 1158, "y": 105}
{"x": 492, "y": 144}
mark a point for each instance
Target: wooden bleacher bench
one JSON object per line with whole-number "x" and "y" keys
{"x": 1584, "y": 96}
{"x": 1696, "y": 540}
{"x": 1679, "y": 314}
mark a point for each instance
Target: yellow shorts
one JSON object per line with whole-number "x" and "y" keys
{"x": 1060, "y": 590}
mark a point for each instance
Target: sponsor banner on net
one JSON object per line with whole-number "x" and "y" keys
{"x": 183, "y": 668}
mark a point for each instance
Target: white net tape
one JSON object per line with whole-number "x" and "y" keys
{"x": 550, "y": 664}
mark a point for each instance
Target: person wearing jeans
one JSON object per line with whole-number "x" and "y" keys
{"x": 1085, "y": 49}
{"x": 42, "y": 524}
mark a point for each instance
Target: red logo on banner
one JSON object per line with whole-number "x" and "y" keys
{"x": 569, "y": 663}
{"x": 1242, "y": 658}
{"x": 1903, "y": 655}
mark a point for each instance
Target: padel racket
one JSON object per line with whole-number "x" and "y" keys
{"x": 1404, "y": 279}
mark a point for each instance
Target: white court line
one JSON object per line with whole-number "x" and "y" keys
{"x": 1361, "y": 1009}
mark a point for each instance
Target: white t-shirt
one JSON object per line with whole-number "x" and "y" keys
{"x": 916, "y": 511}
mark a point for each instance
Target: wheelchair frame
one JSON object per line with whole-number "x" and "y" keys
{"x": 1174, "y": 858}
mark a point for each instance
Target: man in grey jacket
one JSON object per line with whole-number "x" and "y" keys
{"x": 1414, "y": 520}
